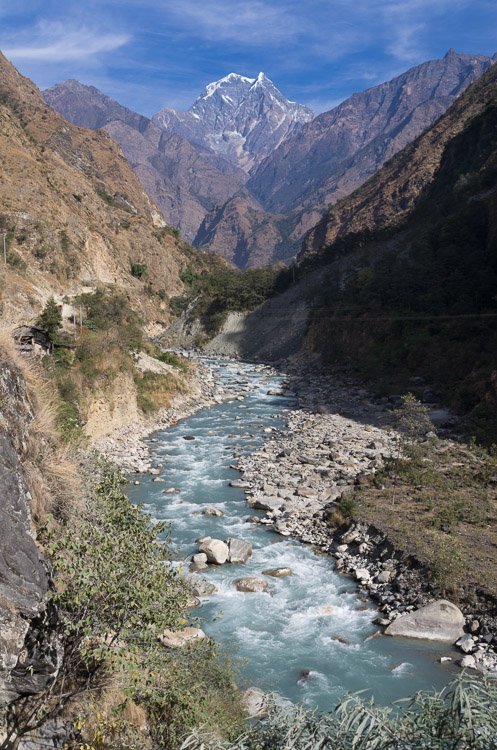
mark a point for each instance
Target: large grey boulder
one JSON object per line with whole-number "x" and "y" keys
{"x": 217, "y": 551}
{"x": 440, "y": 621}
{"x": 270, "y": 502}
{"x": 199, "y": 586}
{"x": 239, "y": 551}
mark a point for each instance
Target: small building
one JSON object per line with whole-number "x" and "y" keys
{"x": 31, "y": 340}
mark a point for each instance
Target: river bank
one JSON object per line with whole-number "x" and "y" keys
{"x": 124, "y": 446}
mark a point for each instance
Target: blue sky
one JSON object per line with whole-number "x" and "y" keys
{"x": 148, "y": 54}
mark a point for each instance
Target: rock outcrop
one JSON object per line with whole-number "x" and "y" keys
{"x": 30, "y": 654}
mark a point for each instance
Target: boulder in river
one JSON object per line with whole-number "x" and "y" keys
{"x": 197, "y": 567}
{"x": 217, "y": 551}
{"x": 439, "y": 621}
{"x": 180, "y": 638}
{"x": 188, "y": 437}
{"x": 210, "y": 510}
{"x": 200, "y": 586}
{"x": 250, "y": 584}
{"x": 239, "y": 551}
{"x": 268, "y": 503}
{"x": 277, "y": 572}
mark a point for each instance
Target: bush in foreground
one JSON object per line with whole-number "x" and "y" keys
{"x": 462, "y": 716}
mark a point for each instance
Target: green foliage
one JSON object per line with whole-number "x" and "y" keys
{"x": 116, "y": 591}
{"x": 463, "y": 715}
{"x": 42, "y": 252}
{"x": 212, "y": 295}
{"x": 15, "y": 261}
{"x": 347, "y": 506}
{"x": 172, "y": 359}
{"x": 50, "y": 319}
{"x": 107, "y": 311}
{"x": 114, "y": 202}
{"x": 413, "y": 423}
{"x": 139, "y": 270}
{"x": 446, "y": 564}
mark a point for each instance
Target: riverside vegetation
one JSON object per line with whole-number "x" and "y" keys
{"x": 108, "y": 346}
{"x": 116, "y": 591}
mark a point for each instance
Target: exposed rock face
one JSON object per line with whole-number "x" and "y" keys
{"x": 340, "y": 149}
{"x": 251, "y": 238}
{"x": 242, "y": 119}
{"x": 29, "y": 652}
{"x": 439, "y": 621}
{"x": 183, "y": 181}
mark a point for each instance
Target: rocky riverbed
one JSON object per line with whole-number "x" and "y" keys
{"x": 337, "y": 439}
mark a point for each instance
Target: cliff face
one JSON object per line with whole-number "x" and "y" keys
{"x": 74, "y": 210}
{"x": 29, "y": 651}
{"x": 387, "y": 197}
{"x": 249, "y": 238}
{"x": 340, "y": 149}
{"x": 183, "y": 180}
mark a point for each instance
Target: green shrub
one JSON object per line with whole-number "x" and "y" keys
{"x": 139, "y": 270}
{"x": 347, "y": 506}
{"x": 462, "y": 715}
{"x": 15, "y": 261}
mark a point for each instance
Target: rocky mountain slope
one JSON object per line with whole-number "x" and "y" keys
{"x": 242, "y": 119}
{"x": 183, "y": 180}
{"x": 249, "y": 238}
{"x": 394, "y": 112}
{"x": 417, "y": 296}
{"x": 74, "y": 212}
{"x": 391, "y": 193}
{"x": 333, "y": 155}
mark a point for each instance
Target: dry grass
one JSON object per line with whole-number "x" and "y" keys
{"x": 51, "y": 469}
{"x": 105, "y": 728}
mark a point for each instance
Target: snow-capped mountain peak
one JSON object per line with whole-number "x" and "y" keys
{"x": 238, "y": 117}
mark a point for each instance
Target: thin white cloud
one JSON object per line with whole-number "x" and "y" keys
{"x": 56, "y": 42}
{"x": 253, "y": 22}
